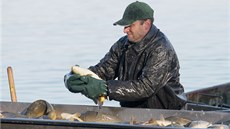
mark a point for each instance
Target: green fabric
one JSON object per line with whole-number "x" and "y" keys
{"x": 87, "y": 85}
{"x": 135, "y": 11}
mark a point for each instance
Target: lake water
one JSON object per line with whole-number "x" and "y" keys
{"x": 42, "y": 39}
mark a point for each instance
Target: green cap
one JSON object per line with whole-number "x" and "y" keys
{"x": 135, "y": 11}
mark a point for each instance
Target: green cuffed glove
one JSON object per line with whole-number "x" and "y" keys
{"x": 87, "y": 85}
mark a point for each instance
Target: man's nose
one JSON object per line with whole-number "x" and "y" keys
{"x": 126, "y": 29}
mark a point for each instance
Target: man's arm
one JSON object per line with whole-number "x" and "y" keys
{"x": 107, "y": 67}
{"x": 154, "y": 75}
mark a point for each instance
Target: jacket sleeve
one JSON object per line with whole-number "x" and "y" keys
{"x": 108, "y": 64}
{"x": 155, "y": 74}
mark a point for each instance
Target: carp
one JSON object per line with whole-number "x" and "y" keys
{"x": 199, "y": 124}
{"x": 90, "y": 116}
{"x": 38, "y": 109}
{"x": 93, "y": 116}
{"x": 84, "y": 72}
{"x": 219, "y": 126}
{"x": 71, "y": 117}
{"x": 154, "y": 122}
{"x": 178, "y": 120}
{"x": 171, "y": 121}
{"x": 11, "y": 115}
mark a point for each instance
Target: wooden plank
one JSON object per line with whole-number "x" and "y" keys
{"x": 11, "y": 84}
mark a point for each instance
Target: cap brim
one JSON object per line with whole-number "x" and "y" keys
{"x": 122, "y": 23}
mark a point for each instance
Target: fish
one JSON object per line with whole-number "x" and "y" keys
{"x": 199, "y": 124}
{"x": 219, "y": 126}
{"x": 93, "y": 116}
{"x": 38, "y": 109}
{"x": 84, "y": 72}
{"x": 87, "y": 72}
{"x": 1, "y": 115}
{"x": 178, "y": 120}
{"x": 171, "y": 121}
{"x": 156, "y": 122}
{"x": 71, "y": 117}
{"x": 5, "y": 114}
{"x": 133, "y": 121}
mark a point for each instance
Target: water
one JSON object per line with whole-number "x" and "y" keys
{"x": 42, "y": 39}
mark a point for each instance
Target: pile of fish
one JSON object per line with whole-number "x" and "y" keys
{"x": 41, "y": 109}
{"x": 174, "y": 121}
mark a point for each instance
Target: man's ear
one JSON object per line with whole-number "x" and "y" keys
{"x": 148, "y": 24}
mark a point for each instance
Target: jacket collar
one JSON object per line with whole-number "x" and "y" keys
{"x": 146, "y": 40}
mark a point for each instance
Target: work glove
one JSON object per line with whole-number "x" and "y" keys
{"x": 90, "y": 87}
{"x": 66, "y": 77}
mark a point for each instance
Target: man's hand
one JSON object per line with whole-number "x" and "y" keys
{"x": 87, "y": 85}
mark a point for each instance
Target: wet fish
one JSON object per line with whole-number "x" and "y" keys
{"x": 71, "y": 117}
{"x": 133, "y": 121}
{"x": 171, "y": 121}
{"x": 84, "y": 72}
{"x": 178, "y": 120}
{"x": 161, "y": 122}
{"x": 154, "y": 122}
{"x": 93, "y": 116}
{"x": 11, "y": 115}
{"x": 6, "y": 114}
{"x": 38, "y": 109}
{"x": 219, "y": 126}
{"x": 199, "y": 124}
{"x": 1, "y": 115}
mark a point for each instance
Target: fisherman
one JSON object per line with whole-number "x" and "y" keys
{"x": 140, "y": 70}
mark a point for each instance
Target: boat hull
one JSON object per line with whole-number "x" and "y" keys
{"x": 218, "y": 95}
{"x": 123, "y": 113}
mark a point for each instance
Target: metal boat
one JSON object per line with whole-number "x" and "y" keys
{"x": 218, "y": 95}
{"x": 211, "y": 114}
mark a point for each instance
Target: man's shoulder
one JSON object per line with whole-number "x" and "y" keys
{"x": 123, "y": 39}
{"x": 160, "y": 44}
{"x": 161, "y": 39}
{"x": 121, "y": 42}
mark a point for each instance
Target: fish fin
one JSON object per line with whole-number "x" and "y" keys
{"x": 78, "y": 119}
{"x": 77, "y": 114}
{"x": 133, "y": 120}
{"x": 162, "y": 117}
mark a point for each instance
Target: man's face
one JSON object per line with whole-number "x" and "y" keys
{"x": 136, "y": 31}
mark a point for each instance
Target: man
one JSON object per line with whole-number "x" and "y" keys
{"x": 140, "y": 70}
